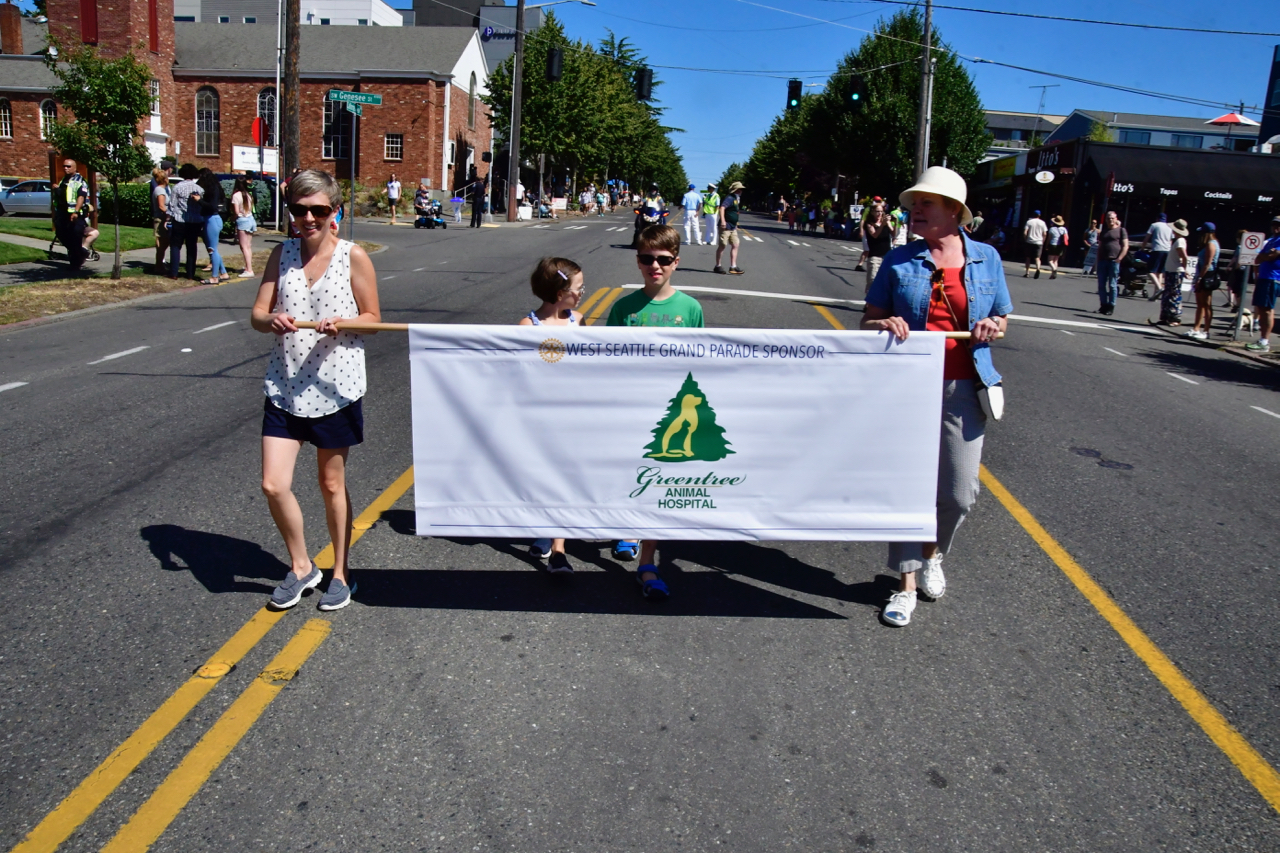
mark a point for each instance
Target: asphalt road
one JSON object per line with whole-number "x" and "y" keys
{"x": 466, "y": 702}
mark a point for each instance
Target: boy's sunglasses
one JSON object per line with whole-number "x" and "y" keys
{"x": 663, "y": 260}
{"x": 319, "y": 211}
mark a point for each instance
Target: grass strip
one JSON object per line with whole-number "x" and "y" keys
{"x": 131, "y": 236}
{"x": 45, "y": 299}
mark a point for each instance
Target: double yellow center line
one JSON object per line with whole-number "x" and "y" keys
{"x": 168, "y": 800}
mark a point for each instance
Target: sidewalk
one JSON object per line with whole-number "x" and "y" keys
{"x": 34, "y": 272}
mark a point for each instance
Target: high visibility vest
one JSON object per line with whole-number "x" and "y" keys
{"x": 75, "y": 184}
{"x": 711, "y": 203}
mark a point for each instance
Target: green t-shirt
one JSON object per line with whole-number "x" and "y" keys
{"x": 637, "y": 309}
{"x": 730, "y": 205}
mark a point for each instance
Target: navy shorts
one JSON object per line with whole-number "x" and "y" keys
{"x": 1264, "y": 294}
{"x": 343, "y": 428}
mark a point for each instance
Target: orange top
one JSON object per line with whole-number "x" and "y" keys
{"x": 958, "y": 360}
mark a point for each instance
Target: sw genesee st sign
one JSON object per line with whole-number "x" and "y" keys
{"x": 354, "y": 97}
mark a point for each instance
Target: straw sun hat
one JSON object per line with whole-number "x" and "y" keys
{"x": 940, "y": 181}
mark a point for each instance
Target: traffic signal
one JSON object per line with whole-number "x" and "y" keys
{"x": 856, "y": 100}
{"x": 795, "y": 89}
{"x": 644, "y": 83}
{"x": 555, "y": 64}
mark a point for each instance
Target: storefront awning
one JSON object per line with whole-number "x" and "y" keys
{"x": 1188, "y": 175}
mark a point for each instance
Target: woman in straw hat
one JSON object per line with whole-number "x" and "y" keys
{"x": 1175, "y": 269}
{"x": 943, "y": 282}
{"x": 1055, "y": 242}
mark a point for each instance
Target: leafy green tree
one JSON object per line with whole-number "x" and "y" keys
{"x": 106, "y": 98}
{"x": 876, "y": 147}
{"x": 589, "y": 122}
{"x": 734, "y": 172}
{"x": 1099, "y": 132}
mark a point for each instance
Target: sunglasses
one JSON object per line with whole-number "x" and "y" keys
{"x": 663, "y": 260}
{"x": 319, "y": 211}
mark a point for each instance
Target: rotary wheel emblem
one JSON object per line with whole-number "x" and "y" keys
{"x": 551, "y": 350}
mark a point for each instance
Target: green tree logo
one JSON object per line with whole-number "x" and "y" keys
{"x": 688, "y": 431}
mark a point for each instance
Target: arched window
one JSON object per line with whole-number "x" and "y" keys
{"x": 267, "y": 112}
{"x": 48, "y": 113}
{"x": 6, "y": 118}
{"x": 471, "y": 103}
{"x": 207, "y": 121}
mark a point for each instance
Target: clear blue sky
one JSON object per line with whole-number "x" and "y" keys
{"x": 724, "y": 114}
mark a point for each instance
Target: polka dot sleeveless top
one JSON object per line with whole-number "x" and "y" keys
{"x": 311, "y": 375}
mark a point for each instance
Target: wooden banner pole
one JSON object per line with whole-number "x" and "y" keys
{"x": 404, "y": 327}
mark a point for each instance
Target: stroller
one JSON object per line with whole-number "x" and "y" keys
{"x": 1134, "y": 271}
{"x": 429, "y": 215}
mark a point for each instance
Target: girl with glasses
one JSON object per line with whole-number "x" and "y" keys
{"x": 558, "y": 283}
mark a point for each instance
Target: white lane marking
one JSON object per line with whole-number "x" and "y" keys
{"x": 792, "y": 242}
{"x": 420, "y": 269}
{"x": 215, "y": 326}
{"x": 806, "y": 245}
{"x": 761, "y": 293}
{"x": 1078, "y": 324}
{"x": 850, "y": 248}
{"x": 119, "y": 354}
{"x": 1065, "y": 332}
{"x": 387, "y": 277}
{"x": 574, "y": 227}
{"x": 1259, "y": 408}
{"x": 539, "y": 226}
{"x": 1117, "y": 352}
{"x": 10, "y": 386}
{"x": 186, "y": 349}
{"x": 1183, "y": 378}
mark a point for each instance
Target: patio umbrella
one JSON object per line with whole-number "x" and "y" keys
{"x": 1231, "y": 120}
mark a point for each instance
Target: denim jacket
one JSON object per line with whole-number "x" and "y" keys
{"x": 903, "y": 287}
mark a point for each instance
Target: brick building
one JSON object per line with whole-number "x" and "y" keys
{"x": 212, "y": 80}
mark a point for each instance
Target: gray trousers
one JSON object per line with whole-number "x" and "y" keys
{"x": 959, "y": 458}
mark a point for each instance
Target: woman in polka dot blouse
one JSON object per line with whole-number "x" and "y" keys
{"x": 315, "y": 380}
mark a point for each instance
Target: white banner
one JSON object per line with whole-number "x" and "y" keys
{"x": 669, "y": 433}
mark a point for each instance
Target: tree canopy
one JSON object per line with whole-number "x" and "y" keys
{"x": 589, "y": 122}
{"x": 874, "y": 150}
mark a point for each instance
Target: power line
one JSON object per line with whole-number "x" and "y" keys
{"x": 1197, "y": 30}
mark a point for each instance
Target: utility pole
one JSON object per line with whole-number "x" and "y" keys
{"x": 926, "y": 87}
{"x": 1040, "y": 109}
{"x": 517, "y": 74}
{"x": 290, "y": 142}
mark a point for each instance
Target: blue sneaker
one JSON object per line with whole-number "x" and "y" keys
{"x": 337, "y": 596}
{"x": 626, "y": 550}
{"x": 290, "y": 590}
{"x": 541, "y": 548}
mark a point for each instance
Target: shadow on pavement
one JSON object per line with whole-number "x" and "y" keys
{"x": 215, "y": 560}
{"x": 1238, "y": 371}
{"x": 612, "y": 588}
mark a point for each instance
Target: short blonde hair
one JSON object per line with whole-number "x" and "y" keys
{"x": 161, "y": 176}
{"x": 312, "y": 181}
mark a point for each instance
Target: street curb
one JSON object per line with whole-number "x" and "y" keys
{"x": 94, "y": 309}
{"x": 1226, "y": 348}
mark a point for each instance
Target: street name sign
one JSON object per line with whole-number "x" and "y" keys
{"x": 355, "y": 97}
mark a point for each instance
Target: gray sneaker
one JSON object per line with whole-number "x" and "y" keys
{"x": 290, "y": 590}
{"x": 337, "y": 596}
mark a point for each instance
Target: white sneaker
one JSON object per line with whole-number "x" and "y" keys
{"x": 933, "y": 583}
{"x": 899, "y": 609}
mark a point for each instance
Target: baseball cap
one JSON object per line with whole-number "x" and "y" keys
{"x": 1208, "y": 226}
{"x": 691, "y": 186}
{"x": 1275, "y": 219}
{"x": 876, "y": 198}
{"x": 1035, "y": 213}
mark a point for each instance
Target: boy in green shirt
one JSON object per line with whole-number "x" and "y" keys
{"x": 657, "y": 304}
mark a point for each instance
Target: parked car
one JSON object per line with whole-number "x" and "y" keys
{"x": 9, "y": 182}
{"x": 27, "y": 197}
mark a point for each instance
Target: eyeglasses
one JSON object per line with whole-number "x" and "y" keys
{"x": 663, "y": 260}
{"x": 68, "y": 165}
{"x": 319, "y": 211}
{"x": 576, "y": 294}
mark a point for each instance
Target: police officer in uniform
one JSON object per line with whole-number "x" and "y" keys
{"x": 70, "y": 208}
